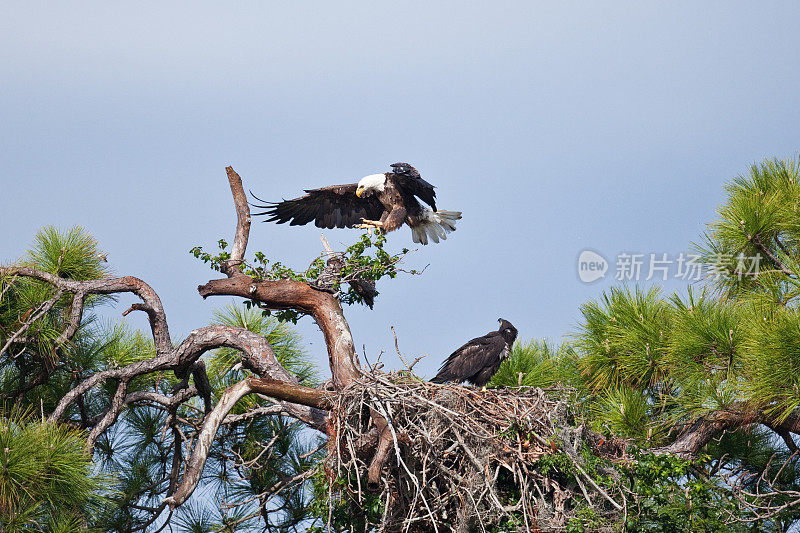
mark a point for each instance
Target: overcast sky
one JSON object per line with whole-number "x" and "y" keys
{"x": 554, "y": 126}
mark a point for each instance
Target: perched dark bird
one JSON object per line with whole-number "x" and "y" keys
{"x": 332, "y": 273}
{"x": 478, "y": 360}
{"x": 381, "y": 201}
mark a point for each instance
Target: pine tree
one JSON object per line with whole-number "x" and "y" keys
{"x": 49, "y": 482}
{"x": 703, "y": 386}
{"x": 659, "y": 369}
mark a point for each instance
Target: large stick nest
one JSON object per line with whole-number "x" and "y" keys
{"x": 462, "y": 459}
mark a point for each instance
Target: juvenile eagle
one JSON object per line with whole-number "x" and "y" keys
{"x": 381, "y": 201}
{"x": 478, "y": 360}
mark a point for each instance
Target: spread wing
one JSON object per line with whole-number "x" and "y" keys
{"x": 419, "y": 188}
{"x": 336, "y": 206}
{"x": 471, "y": 358}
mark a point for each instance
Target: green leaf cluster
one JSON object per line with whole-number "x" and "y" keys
{"x": 336, "y": 507}
{"x": 671, "y": 498}
{"x": 538, "y": 364}
{"x": 71, "y": 254}
{"x": 366, "y": 260}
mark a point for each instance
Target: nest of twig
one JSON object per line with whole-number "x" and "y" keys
{"x": 462, "y": 459}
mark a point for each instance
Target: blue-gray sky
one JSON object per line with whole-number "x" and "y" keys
{"x": 554, "y": 127}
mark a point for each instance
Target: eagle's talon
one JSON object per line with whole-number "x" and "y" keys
{"x": 369, "y": 225}
{"x": 393, "y": 198}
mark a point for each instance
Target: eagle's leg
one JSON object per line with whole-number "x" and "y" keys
{"x": 369, "y": 225}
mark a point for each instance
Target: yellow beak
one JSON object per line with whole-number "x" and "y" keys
{"x": 359, "y": 192}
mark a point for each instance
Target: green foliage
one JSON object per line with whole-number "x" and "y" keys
{"x": 71, "y": 254}
{"x": 623, "y": 411}
{"x": 195, "y": 518}
{"x": 760, "y": 217}
{"x": 337, "y": 508}
{"x": 665, "y": 493}
{"x": 538, "y": 364}
{"x": 586, "y": 519}
{"x": 672, "y": 498}
{"x": 652, "y": 364}
{"x": 366, "y": 260}
{"x": 285, "y": 341}
{"x": 688, "y": 356}
{"x": 702, "y": 336}
{"x": 623, "y": 338}
{"x": 134, "y": 456}
{"x": 772, "y": 362}
{"x": 555, "y": 464}
{"x": 640, "y": 365}
{"x": 46, "y": 477}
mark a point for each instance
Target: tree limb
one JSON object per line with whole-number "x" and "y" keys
{"x": 700, "y": 431}
{"x": 117, "y": 403}
{"x": 231, "y": 267}
{"x": 42, "y": 310}
{"x": 756, "y": 239}
{"x": 325, "y": 309}
{"x": 158, "y": 319}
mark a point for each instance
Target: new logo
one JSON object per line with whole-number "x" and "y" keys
{"x": 591, "y": 266}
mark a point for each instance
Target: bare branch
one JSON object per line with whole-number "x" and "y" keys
{"x": 295, "y": 394}
{"x": 257, "y": 356}
{"x": 166, "y": 401}
{"x": 75, "y": 317}
{"x": 291, "y": 392}
{"x": 213, "y": 420}
{"x": 385, "y": 445}
{"x": 158, "y": 319}
{"x": 231, "y": 267}
{"x": 117, "y": 403}
{"x": 322, "y": 306}
{"x": 274, "y": 381}
{"x": 756, "y": 239}
{"x": 267, "y": 410}
{"x": 700, "y": 431}
{"x": 42, "y": 310}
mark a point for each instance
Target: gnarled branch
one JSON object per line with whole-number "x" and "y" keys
{"x": 324, "y": 308}
{"x": 700, "y": 431}
{"x": 217, "y": 417}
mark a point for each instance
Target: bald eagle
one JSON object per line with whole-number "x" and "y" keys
{"x": 382, "y": 201}
{"x": 478, "y": 360}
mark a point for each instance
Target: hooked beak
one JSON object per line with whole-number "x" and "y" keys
{"x": 359, "y": 192}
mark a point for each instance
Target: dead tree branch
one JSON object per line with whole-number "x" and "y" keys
{"x": 231, "y": 267}
{"x": 324, "y": 308}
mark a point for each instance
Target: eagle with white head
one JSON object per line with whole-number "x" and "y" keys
{"x": 381, "y": 201}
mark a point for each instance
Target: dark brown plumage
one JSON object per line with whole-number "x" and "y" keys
{"x": 478, "y": 360}
{"x": 383, "y": 201}
{"x": 336, "y": 206}
{"x": 332, "y": 274}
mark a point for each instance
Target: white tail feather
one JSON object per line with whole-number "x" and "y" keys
{"x": 435, "y": 226}
{"x": 418, "y": 234}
